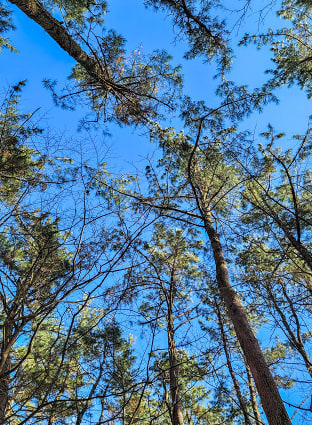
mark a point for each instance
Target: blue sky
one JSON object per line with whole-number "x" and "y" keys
{"x": 40, "y": 57}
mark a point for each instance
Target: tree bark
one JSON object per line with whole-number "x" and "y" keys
{"x": 4, "y": 391}
{"x": 35, "y": 11}
{"x": 253, "y": 396}
{"x": 5, "y": 369}
{"x": 177, "y": 414}
{"x": 270, "y": 398}
{"x": 239, "y": 394}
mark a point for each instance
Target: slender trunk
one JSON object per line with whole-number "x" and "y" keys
{"x": 4, "y": 391}
{"x": 302, "y": 251}
{"x": 177, "y": 414}
{"x": 270, "y": 398}
{"x": 239, "y": 395}
{"x": 253, "y": 396}
{"x": 296, "y": 341}
{"x": 4, "y": 374}
{"x": 94, "y": 387}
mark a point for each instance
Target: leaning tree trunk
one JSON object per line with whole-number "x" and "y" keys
{"x": 270, "y": 398}
{"x": 38, "y": 13}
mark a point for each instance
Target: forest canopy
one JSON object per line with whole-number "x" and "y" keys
{"x": 155, "y": 193}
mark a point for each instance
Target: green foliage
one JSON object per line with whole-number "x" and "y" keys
{"x": 170, "y": 266}
{"x": 140, "y": 86}
{"x": 79, "y": 11}
{"x": 6, "y": 24}
{"x": 199, "y": 406}
{"x": 206, "y": 33}
{"x": 57, "y": 378}
{"x": 20, "y": 165}
{"x": 209, "y": 166}
{"x": 43, "y": 352}
{"x": 291, "y": 46}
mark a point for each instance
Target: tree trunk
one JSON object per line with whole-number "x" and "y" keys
{"x": 4, "y": 373}
{"x": 253, "y": 395}
{"x": 35, "y": 11}
{"x": 239, "y": 394}
{"x": 270, "y": 398}
{"x": 177, "y": 414}
{"x": 4, "y": 391}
